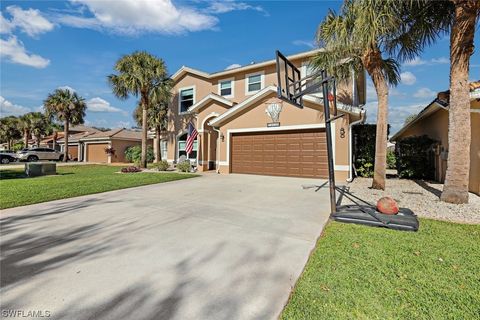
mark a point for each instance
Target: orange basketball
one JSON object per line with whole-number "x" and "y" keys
{"x": 387, "y": 205}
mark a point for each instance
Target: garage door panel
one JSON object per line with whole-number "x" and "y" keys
{"x": 96, "y": 152}
{"x": 299, "y": 153}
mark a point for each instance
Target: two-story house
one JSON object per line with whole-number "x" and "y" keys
{"x": 237, "y": 135}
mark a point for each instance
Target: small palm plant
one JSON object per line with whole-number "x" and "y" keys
{"x": 140, "y": 74}
{"x": 66, "y": 106}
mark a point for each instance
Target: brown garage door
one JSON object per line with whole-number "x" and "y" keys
{"x": 96, "y": 152}
{"x": 73, "y": 152}
{"x": 301, "y": 153}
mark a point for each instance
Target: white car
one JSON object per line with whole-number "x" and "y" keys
{"x": 39, "y": 153}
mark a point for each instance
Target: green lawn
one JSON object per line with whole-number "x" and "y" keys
{"x": 358, "y": 272}
{"x": 72, "y": 181}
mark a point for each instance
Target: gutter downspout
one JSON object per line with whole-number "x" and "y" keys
{"x": 363, "y": 117}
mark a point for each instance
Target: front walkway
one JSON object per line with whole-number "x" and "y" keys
{"x": 215, "y": 247}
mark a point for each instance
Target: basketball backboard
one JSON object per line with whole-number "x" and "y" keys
{"x": 288, "y": 78}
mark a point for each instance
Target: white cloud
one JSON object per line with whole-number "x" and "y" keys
{"x": 418, "y": 62}
{"x": 408, "y": 78}
{"x": 5, "y": 25}
{"x": 7, "y": 108}
{"x": 415, "y": 62}
{"x": 123, "y": 124}
{"x": 30, "y": 21}
{"x": 230, "y": 5}
{"x": 424, "y": 93}
{"x": 396, "y": 113}
{"x": 371, "y": 92}
{"x": 67, "y": 88}
{"x": 307, "y": 43}
{"x": 441, "y": 60}
{"x": 14, "y": 51}
{"x": 139, "y": 16}
{"x": 98, "y": 104}
{"x": 233, "y": 66}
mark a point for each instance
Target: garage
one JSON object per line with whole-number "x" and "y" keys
{"x": 292, "y": 153}
{"x": 96, "y": 152}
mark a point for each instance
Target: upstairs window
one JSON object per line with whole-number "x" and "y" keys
{"x": 186, "y": 98}
{"x": 254, "y": 83}
{"x": 225, "y": 88}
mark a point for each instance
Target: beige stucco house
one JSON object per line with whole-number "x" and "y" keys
{"x": 236, "y": 135}
{"x": 90, "y": 145}
{"x": 433, "y": 122}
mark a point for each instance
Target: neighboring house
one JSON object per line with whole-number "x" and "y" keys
{"x": 236, "y": 134}
{"x": 48, "y": 141}
{"x": 433, "y": 122}
{"x": 91, "y": 146}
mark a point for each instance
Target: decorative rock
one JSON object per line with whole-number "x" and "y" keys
{"x": 387, "y": 205}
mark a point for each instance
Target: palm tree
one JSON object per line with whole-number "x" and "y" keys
{"x": 157, "y": 115}
{"x": 68, "y": 107}
{"x": 24, "y": 123}
{"x": 140, "y": 74}
{"x": 9, "y": 130}
{"x": 38, "y": 125}
{"x": 465, "y": 16}
{"x": 422, "y": 27}
{"x": 157, "y": 120}
{"x": 355, "y": 40}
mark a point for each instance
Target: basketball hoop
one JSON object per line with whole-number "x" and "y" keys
{"x": 291, "y": 88}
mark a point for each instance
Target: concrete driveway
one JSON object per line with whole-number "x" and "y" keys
{"x": 214, "y": 247}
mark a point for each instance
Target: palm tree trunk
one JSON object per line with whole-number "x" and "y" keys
{"x": 143, "y": 163}
{"x": 158, "y": 152}
{"x": 55, "y": 140}
{"x": 26, "y": 133}
{"x": 455, "y": 189}
{"x": 372, "y": 62}
{"x": 65, "y": 150}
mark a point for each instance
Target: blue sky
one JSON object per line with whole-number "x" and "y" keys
{"x": 51, "y": 44}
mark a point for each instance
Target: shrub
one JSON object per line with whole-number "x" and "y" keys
{"x": 184, "y": 166}
{"x": 162, "y": 165}
{"x": 364, "y": 148}
{"x": 134, "y": 154}
{"x": 415, "y": 158}
{"x": 391, "y": 160}
{"x": 131, "y": 169}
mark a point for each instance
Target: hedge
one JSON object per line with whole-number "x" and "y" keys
{"x": 415, "y": 157}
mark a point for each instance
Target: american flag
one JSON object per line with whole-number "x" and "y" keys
{"x": 192, "y": 135}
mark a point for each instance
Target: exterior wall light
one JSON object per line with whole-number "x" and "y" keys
{"x": 342, "y": 133}
{"x": 222, "y": 137}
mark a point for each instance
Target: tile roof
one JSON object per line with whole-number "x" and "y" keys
{"x": 121, "y": 133}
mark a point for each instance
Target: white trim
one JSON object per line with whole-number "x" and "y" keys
{"x": 212, "y": 96}
{"x": 232, "y": 85}
{"x": 194, "y": 87}
{"x": 342, "y": 168}
{"x": 185, "y": 69}
{"x": 268, "y": 90}
{"x": 244, "y": 103}
{"x": 262, "y": 82}
{"x": 284, "y": 128}
{"x": 208, "y": 116}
